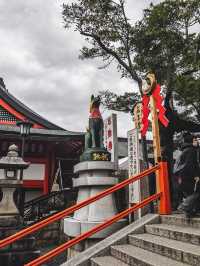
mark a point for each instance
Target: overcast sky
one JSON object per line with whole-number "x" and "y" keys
{"x": 40, "y": 66}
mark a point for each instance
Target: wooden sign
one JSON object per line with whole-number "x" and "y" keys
{"x": 138, "y": 115}
{"x": 134, "y": 164}
{"x": 110, "y": 137}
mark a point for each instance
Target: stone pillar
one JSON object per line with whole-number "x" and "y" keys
{"x": 94, "y": 177}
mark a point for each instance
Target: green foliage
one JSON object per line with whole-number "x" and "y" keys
{"x": 107, "y": 31}
{"x": 187, "y": 93}
{"x": 166, "y": 41}
{"x": 123, "y": 103}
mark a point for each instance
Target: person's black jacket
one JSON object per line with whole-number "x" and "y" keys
{"x": 186, "y": 168}
{"x": 176, "y": 124}
{"x": 187, "y": 164}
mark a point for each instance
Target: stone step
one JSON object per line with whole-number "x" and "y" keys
{"x": 181, "y": 220}
{"x": 107, "y": 261}
{"x": 177, "y": 250}
{"x": 185, "y": 234}
{"x": 139, "y": 257}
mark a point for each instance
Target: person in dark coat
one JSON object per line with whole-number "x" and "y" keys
{"x": 187, "y": 169}
{"x": 176, "y": 124}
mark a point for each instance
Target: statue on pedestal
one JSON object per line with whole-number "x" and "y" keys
{"x": 94, "y": 148}
{"x": 96, "y": 123}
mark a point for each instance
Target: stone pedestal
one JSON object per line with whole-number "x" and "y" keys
{"x": 7, "y": 205}
{"x": 94, "y": 177}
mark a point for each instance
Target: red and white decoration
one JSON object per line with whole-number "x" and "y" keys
{"x": 145, "y": 109}
{"x": 110, "y": 137}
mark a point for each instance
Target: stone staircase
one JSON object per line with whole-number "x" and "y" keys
{"x": 170, "y": 240}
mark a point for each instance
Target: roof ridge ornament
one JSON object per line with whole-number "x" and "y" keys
{"x": 13, "y": 151}
{"x": 2, "y": 84}
{"x": 12, "y": 161}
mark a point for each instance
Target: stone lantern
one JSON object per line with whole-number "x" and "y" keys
{"x": 24, "y": 250}
{"x": 12, "y": 164}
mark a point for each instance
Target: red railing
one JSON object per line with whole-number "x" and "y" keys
{"x": 164, "y": 208}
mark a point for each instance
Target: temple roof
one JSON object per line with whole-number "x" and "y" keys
{"x": 23, "y": 109}
{"x": 70, "y": 141}
{"x": 40, "y": 131}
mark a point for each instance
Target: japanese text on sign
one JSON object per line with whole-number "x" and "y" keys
{"x": 110, "y": 136}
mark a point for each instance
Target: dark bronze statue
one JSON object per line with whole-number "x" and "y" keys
{"x": 96, "y": 123}
{"x": 94, "y": 148}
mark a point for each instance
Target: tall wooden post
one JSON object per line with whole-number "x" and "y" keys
{"x": 155, "y": 131}
{"x": 162, "y": 183}
{"x": 138, "y": 124}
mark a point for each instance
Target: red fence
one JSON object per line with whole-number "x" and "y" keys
{"x": 164, "y": 208}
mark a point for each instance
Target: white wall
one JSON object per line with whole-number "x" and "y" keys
{"x": 34, "y": 172}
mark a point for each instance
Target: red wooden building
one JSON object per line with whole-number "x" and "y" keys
{"x": 48, "y": 147}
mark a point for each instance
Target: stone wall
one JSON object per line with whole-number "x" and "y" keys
{"x": 50, "y": 235}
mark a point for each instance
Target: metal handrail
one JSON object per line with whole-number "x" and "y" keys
{"x": 92, "y": 231}
{"x": 41, "y": 198}
{"x": 37, "y": 209}
{"x": 164, "y": 208}
{"x": 64, "y": 213}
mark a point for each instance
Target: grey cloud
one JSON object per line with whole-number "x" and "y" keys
{"x": 40, "y": 65}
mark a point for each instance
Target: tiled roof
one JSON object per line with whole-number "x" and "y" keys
{"x": 26, "y": 111}
{"x": 43, "y": 132}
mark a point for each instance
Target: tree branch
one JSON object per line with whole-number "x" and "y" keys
{"x": 113, "y": 53}
{"x": 127, "y": 48}
{"x": 189, "y": 72}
